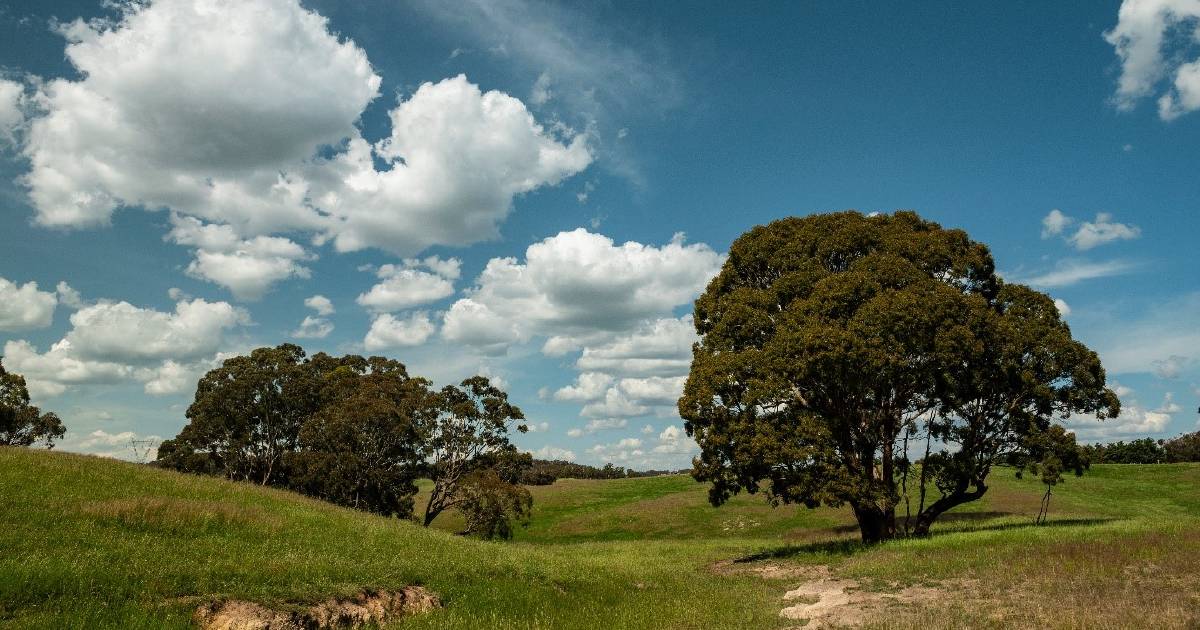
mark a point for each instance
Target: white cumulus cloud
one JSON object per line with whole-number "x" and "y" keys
{"x": 52, "y": 372}
{"x": 316, "y": 326}
{"x": 589, "y": 386}
{"x": 313, "y": 327}
{"x": 1088, "y": 234}
{"x": 388, "y": 331}
{"x": 657, "y": 390}
{"x": 673, "y": 440}
{"x": 127, "y": 445}
{"x": 549, "y": 452}
{"x": 1155, "y": 41}
{"x": 321, "y": 304}
{"x": 1054, "y": 223}
{"x": 457, "y": 156}
{"x": 577, "y": 285}
{"x": 195, "y": 105}
{"x": 661, "y": 348}
{"x": 121, "y": 331}
{"x": 241, "y": 117}
{"x": 171, "y": 377}
{"x": 114, "y": 341}
{"x": 411, "y": 284}
{"x": 613, "y": 404}
{"x": 247, "y": 267}
{"x": 24, "y": 307}
{"x": 1102, "y": 230}
{"x": 1134, "y": 421}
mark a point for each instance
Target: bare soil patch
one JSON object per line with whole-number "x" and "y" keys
{"x": 825, "y": 601}
{"x": 367, "y": 607}
{"x": 831, "y": 602}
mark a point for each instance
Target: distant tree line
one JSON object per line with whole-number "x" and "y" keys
{"x": 542, "y": 472}
{"x": 1183, "y": 448}
{"x": 357, "y": 432}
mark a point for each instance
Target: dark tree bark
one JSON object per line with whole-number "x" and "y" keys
{"x": 875, "y": 524}
{"x": 960, "y": 496}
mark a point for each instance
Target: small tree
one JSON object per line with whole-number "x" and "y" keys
{"x": 1048, "y": 454}
{"x": 23, "y": 424}
{"x": 491, "y": 504}
{"x": 468, "y": 434}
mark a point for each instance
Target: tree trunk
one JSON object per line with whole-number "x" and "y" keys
{"x": 876, "y": 525}
{"x": 432, "y": 510}
{"x": 927, "y": 516}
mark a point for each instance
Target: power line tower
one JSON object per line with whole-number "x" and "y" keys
{"x": 142, "y": 449}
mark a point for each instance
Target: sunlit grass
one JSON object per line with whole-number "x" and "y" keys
{"x": 86, "y": 542}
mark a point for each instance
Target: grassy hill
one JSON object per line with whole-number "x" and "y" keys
{"x": 87, "y": 542}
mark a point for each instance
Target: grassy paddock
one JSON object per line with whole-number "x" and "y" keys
{"x": 86, "y": 542}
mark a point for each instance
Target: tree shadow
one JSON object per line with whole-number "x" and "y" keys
{"x": 997, "y": 527}
{"x": 843, "y": 547}
{"x": 847, "y": 546}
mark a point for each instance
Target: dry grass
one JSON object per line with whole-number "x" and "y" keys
{"x": 175, "y": 514}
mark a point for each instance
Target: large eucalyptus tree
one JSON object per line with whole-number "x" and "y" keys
{"x": 833, "y": 345}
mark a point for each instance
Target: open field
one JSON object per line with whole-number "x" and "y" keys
{"x": 86, "y": 542}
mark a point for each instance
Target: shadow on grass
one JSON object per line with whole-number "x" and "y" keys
{"x": 998, "y": 527}
{"x": 844, "y": 547}
{"x": 849, "y": 546}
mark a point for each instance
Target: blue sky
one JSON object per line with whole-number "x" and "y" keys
{"x": 537, "y": 191}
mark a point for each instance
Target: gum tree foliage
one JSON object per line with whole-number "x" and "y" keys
{"x": 247, "y": 413}
{"x": 1184, "y": 448}
{"x": 832, "y": 346}
{"x": 1139, "y": 451}
{"x": 469, "y": 432}
{"x": 358, "y": 432}
{"x": 23, "y": 424}
{"x": 491, "y": 504}
{"x": 364, "y": 448}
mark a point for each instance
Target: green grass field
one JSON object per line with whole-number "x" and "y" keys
{"x": 88, "y": 542}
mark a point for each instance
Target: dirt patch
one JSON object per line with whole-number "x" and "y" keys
{"x": 769, "y": 570}
{"x": 831, "y": 602}
{"x": 368, "y": 607}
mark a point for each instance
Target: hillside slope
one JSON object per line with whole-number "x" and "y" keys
{"x": 89, "y": 542}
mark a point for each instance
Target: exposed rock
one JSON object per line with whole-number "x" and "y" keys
{"x": 374, "y": 607}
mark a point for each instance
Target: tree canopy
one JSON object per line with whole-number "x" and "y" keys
{"x": 358, "y": 432}
{"x": 23, "y": 424}
{"x": 833, "y": 345}
{"x": 470, "y": 431}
